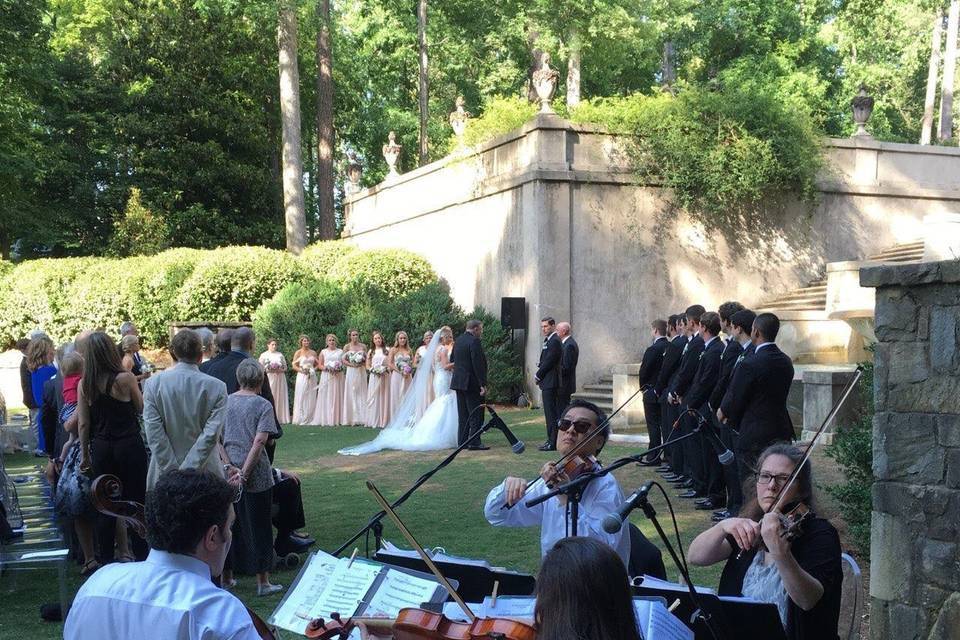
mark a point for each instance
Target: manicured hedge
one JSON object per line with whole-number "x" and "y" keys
{"x": 390, "y": 272}
{"x": 153, "y": 291}
{"x": 321, "y": 256}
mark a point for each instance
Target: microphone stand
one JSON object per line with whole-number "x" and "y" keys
{"x": 699, "y": 613}
{"x": 376, "y": 526}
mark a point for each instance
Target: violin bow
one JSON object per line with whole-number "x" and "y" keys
{"x": 851, "y": 385}
{"x": 423, "y": 554}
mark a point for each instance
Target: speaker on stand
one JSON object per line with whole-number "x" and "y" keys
{"x": 513, "y": 316}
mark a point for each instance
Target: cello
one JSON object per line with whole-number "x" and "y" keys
{"x": 106, "y": 492}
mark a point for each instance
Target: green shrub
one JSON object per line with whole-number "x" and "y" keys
{"x": 388, "y": 272}
{"x": 5, "y": 267}
{"x": 101, "y": 298}
{"x": 500, "y": 115}
{"x": 231, "y": 283}
{"x": 321, "y": 256}
{"x": 313, "y": 307}
{"x": 504, "y": 374}
{"x": 852, "y": 448}
{"x": 153, "y": 289}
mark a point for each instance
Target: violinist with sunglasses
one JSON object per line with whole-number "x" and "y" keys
{"x": 601, "y": 496}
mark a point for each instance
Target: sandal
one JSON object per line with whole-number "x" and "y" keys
{"x": 126, "y": 557}
{"x": 89, "y": 568}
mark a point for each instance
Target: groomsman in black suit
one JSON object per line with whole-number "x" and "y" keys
{"x": 650, "y": 366}
{"x": 680, "y": 384}
{"x": 737, "y": 325}
{"x": 707, "y": 477}
{"x": 569, "y": 356}
{"x": 756, "y": 401}
{"x": 469, "y": 380}
{"x": 676, "y": 332}
{"x": 548, "y": 379}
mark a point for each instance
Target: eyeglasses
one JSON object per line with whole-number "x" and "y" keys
{"x": 580, "y": 426}
{"x": 779, "y": 480}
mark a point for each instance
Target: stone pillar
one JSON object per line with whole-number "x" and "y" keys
{"x": 626, "y": 381}
{"x": 915, "y": 564}
{"x": 822, "y": 389}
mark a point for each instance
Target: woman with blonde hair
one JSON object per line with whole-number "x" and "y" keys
{"x": 330, "y": 389}
{"x": 400, "y": 364}
{"x": 377, "y": 412}
{"x": 355, "y": 381}
{"x": 305, "y": 390}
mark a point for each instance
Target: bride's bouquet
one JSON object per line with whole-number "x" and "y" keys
{"x": 334, "y": 367}
{"x": 378, "y": 370}
{"x": 147, "y": 367}
{"x": 357, "y": 357}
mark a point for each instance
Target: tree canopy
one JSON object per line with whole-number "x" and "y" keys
{"x": 170, "y": 108}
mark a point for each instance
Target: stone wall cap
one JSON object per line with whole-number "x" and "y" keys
{"x": 841, "y": 374}
{"x": 852, "y": 265}
{"x": 910, "y": 274}
{"x": 897, "y": 147}
{"x": 626, "y": 369}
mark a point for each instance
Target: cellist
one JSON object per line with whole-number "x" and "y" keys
{"x": 189, "y": 514}
{"x": 602, "y": 495}
{"x": 803, "y": 577}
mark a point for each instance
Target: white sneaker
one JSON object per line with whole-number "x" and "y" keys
{"x": 268, "y": 589}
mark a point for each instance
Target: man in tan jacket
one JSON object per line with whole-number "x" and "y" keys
{"x": 183, "y": 412}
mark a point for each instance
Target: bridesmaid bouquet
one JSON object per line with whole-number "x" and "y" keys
{"x": 357, "y": 358}
{"x": 147, "y": 367}
{"x": 378, "y": 370}
{"x": 334, "y": 367}
{"x": 308, "y": 370}
{"x": 275, "y": 367}
{"x": 403, "y": 365}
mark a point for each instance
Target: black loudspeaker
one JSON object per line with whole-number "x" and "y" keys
{"x": 513, "y": 313}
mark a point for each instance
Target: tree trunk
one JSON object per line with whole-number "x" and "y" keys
{"x": 327, "y": 222}
{"x": 573, "y": 68}
{"x": 949, "y": 69}
{"x": 294, "y": 213}
{"x": 668, "y": 71}
{"x": 4, "y": 245}
{"x": 926, "y": 125}
{"x": 424, "y": 81}
{"x": 310, "y": 195}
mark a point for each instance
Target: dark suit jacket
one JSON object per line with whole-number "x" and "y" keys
{"x": 53, "y": 434}
{"x": 689, "y": 362}
{"x": 652, "y": 361}
{"x": 570, "y": 355}
{"x": 729, "y": 357}
{"x": 756, "y": 401}
{"x": 708, "y": 372}
{"x": 469, "y": 363}
{"x": 548, "y": 369}
{"x": 224, "y": 368}
{"x": 670, "y": 364}
{"x": 26, "y": 385}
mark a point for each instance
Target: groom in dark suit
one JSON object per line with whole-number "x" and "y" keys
{"x": 548, "y": 379}
{"x": 469, "y": 380}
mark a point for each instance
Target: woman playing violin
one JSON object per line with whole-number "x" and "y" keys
{"x": 601, "y": 496}
{"x": 801, "y": 576}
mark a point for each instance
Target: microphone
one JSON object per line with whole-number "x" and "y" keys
{"x": 612, "y": 522}
{"x": 496, "y": 421}
{"x": 723, "y": 454}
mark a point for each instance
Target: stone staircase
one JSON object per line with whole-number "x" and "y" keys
{"x": 599, "y": 393}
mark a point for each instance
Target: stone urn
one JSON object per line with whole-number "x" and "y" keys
{"x": 354, "y": 173}
{"x": 458, "y": 120}
{"x": 545, "y": 83}
{"x": 862, "y": 109}
{"x": 391, "y": 153}
{"x": 941, "y": 237}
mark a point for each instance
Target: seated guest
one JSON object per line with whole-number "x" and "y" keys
{"x": 802, "y": 577}
{"x": 189, "y": 514}
{"x": 583, "y": 593}
{"x": 601, "y": 496}
{"x": 289, "y": 517}
{"x": 249, "y": 423}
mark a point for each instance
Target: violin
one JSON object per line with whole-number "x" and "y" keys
{"x": 571, "y": 467}
{"x": 418, "y": 624}
{"x": 105, "y": 494}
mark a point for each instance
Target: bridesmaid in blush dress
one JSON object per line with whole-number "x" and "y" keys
{"x": 275, "y": 365}
{"x": 400, "y": 363}
{"x": 355, "y": 384}
{"x": 305, "y": 389}
{"x": 378, "y": 387}
{"x": 418, "y": 362}
{"x": 330, "y": 390}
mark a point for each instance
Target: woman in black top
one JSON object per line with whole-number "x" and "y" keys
{"x": 803, "y": 577}
{"x": 108, "y": 403}
{"x": 583, "y": 593}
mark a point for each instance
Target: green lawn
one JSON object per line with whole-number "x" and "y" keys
{"x": 447, "y": 511}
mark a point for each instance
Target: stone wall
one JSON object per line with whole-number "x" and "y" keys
{"x": 915, "y": 564}
{"x": 552, "y": 212}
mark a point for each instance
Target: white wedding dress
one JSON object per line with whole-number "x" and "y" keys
{"x": 437, "y": 427}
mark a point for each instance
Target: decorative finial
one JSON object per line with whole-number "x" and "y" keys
{"x": 458, "y": 119}
{"x": 862, "y": 108}
{"x": 391, "y": 153}
{"x": 545, "y": 83}
{"x": 354, "y": 173}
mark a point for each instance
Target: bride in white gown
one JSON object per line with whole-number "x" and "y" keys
{"x": 437, "y": 427}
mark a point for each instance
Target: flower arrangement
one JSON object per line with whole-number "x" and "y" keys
{"x": 147, "y": 367}
{"x": 357, "y": 357}
{"x": 308, "y": 370}
{"x": 275, "y": 367}
{"x": 404, "y": 365}
{"x": 378, "y": 370}
{"x": 334, "y": 367}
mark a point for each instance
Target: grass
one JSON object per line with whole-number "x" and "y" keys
{"x": 447, "y": 511}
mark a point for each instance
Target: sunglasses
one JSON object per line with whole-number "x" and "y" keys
{"x": 580, "y": 426}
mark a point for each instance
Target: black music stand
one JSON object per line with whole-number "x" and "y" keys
{"x": 475, "y": 581}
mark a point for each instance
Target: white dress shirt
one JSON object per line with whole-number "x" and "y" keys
{"x": 601, "y": 497}
{"x": 166, "y": 596}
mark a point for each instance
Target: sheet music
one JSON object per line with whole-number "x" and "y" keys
{"x": 326, "y": 585}
{"x": 656, "y": 583}
{"x": 389, "y": 548}
{"x": 399, "y": 590}
{"x": 657, "y": 623}
{"x": 509, "y": 607}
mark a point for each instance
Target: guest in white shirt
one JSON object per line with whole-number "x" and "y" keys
{"x": 602, "y": 495}
{"x": 169, "y": 595}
